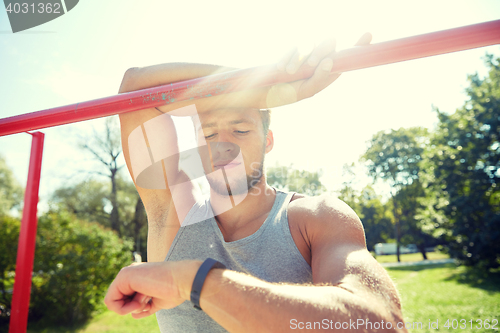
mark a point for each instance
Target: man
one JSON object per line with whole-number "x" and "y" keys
{"x": 291, "y": 261}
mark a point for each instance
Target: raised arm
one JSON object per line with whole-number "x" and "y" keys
{"x": 163, "y": 216}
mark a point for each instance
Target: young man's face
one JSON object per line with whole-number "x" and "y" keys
{"x": 235, "y": 145}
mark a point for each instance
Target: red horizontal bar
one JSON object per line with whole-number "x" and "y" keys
{"x": 440, "y": 42}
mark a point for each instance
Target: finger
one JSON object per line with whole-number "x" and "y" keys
{"x": 321, "y": 78}
{"x": 300, "y": 56}
{"x": 141, "y": 314}
{"x": 294, "y": 63}
{"x": 143, "y": 300}
{"x": 115, "y": 299}
{"x": 365, "y": 39}
{"x": 144, "y": 307}
{"x": 148, "y": 311}
{"x": 291, "y": 62}
{"x": 320, "y": 52}
{"x": 123, "y": 308}
{"x": 119, "y": 292}
{"x": 286, "y": 59}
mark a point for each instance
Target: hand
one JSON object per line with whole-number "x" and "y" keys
{"x": 143, "y": 289}
{"x": 321, "y": 59}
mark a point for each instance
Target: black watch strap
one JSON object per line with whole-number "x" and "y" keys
{"x": 199, "y": 279}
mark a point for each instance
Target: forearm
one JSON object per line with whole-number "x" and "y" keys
{"x": 156, "y": 75}
{"x": 241, "y": 303}
{"x": 155, "y": 200}
{"x": 151, "y": 76}
{"x": 162, "y": 217}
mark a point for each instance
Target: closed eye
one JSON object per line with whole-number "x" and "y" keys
{"x": 211, "y": 136}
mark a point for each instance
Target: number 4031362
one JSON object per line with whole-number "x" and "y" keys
{"x": 41, "y": 8}
{"x": 479, "y": 323}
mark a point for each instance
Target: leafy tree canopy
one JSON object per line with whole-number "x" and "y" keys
{"x": 295, "y": 180}
{"x": 464, "y": 159}
{"x": 11, "y": 192}
{"x": 394, "y": 155}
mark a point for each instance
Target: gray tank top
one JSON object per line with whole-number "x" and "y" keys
{"x": 269, "y": 254}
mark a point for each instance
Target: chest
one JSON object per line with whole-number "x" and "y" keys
{"x": 269, "y": 254}
{"x": 296, "y": 222}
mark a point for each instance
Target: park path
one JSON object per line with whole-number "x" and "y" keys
{"x": 417, "y": 263}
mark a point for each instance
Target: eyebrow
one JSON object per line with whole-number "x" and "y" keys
{"x": 233, "y": 122}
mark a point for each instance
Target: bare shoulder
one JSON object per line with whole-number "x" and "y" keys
{"x": 326, "y": 216}
{"x": 338, "y": 254}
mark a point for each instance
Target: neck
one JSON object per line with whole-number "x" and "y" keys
{"x": 240, "y": 214}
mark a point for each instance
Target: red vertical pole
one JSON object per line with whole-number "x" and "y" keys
{"x": 27, "y": 238}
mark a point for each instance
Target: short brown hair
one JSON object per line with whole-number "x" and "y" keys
{"x": 265, "y": 115}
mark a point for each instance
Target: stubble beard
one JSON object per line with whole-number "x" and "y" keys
{"x": 241, "y": 185}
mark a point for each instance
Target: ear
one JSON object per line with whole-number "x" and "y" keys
{"x": 269, "y": 141}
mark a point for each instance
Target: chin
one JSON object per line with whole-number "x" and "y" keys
{"x": 239, "y": 186}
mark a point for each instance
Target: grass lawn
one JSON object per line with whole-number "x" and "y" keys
{"x": 109, "y": 322}
{"x": 113, "y": 323}
{"x": 428, "y": 292}
{"x": 442, "y": 292}
{"x": 412, "y": 257}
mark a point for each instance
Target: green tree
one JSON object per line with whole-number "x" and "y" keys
{"x": 347, "y": 193}
{"x": 134, "y": 222}
{"x": 464, "y": 160}
{"x": 376, "y": 217}
{"x": 11, "y": 193}
{"x": 409, "y": 200}
{"x": 126, "y": 214}
{"x": 75, "y": 262}
{"x": 87, "y": 200}
{"x": 290, "y": 179}
{"x": 106, "y": 148}
{"x": 90, "y": 201}
{"x": 9, "y": 234}
{"x": 395, "y": 157}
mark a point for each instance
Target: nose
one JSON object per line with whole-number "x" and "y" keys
{"x": 223, "y": 149}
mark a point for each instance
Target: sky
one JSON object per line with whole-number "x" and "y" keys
{"x": 83, "y": 54}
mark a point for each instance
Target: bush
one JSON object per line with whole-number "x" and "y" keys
{"x": 9, "y": 235}
{"x": 74, "y": 264}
